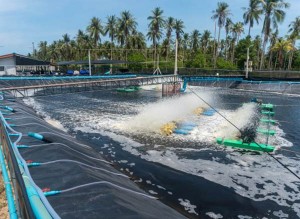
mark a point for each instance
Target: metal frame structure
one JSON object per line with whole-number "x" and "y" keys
{"x": 81, "y": 86}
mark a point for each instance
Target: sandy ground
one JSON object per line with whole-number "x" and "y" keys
{"x": 3, "y": 202}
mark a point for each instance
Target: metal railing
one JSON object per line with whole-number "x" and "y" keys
{"x": 82, "y": 86}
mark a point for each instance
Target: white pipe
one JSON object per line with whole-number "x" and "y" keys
{"x": 90, "y": 65}
{"x": 176, "y": 54}
{"x": 247, "y": 63}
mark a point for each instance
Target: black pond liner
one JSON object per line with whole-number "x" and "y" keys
{"x": 100, "y": 191}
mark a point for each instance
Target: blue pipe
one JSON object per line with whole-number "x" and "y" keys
{"x": 181, "y": 132}
{"x": 9, "y": 108}
{"x": 37, "y": 206}
{"x": 36, "y": 135}
{"x": 184, "y": 86}
{"x": 22, "y": 146}
{"x": 55, "y": 192}
{"x": 13, "y": 134}
{"x": 33, "y": 164}
{"x": 8, "y": 190}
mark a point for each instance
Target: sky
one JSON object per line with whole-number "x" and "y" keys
{"x": 25, "y": 22}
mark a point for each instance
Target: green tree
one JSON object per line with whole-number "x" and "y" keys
{"x": 282, "y": 46}
{"x": 169, "y": 29}
{"x": 127, "y": 25}
{"x": 43, "y": 51}
{"x": 156, "y": 24}
{"x": 220, "y": 14}
{"x": 205, "y": 38}
{"x": 237, "y": 30}
{"x": 95, "y": 30}
{"x": 273, "y": 41}
{"x": 294, "y": 30}
{"x": 252, "y": 13}
{"x": 274, "y": 14}
{"x": 195, "y": 40}
{"x": 178, "y": 27}
{"x": 111, "y": 29}
{"x": 66, "y": 48}
{"x": 228, "y": 28}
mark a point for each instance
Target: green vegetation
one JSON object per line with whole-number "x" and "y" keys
{"x": 196, "y": 49}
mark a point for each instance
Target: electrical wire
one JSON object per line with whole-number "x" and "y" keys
{"x": 276, "y": 159}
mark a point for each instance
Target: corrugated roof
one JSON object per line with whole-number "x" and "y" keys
{"x": 24, "y": 60}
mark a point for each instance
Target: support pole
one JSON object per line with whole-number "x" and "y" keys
{"x": 176, "y": 54}
{"x": 247, "y": 64}
{"x": 90, "y": 65}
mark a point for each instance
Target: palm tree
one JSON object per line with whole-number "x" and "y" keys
{"x": 282, "y": 46}
{"x": 156, "y": 24}
{"x": 273, "y": 15}
{"x": 169, "y": 29}
{"x": 178, "y": 27}
{"x": 185, "y": 45}
{"x": 137, "y": 40}
{"x": 205, "y": 40}
{"x": 273, "y": 41}
{"x": 111, "y": 29}
{"x": 83, "y": 43}
{"x": 195, "y": 40}
{"x": 53, "y": 51}
{"x": 126, "y": 25}
{"x": 295, "y": 34}
{"x": 237, "y": 30}
{"x": 220, "y": 14}
{"x": 66, "y": 47}
{"x": 95, "y": 30}
{"x": 257, "y": 42}
{"x": 228, "y": 27}
{"x": 43, "y": 50}
{"x": 252, "y": 13}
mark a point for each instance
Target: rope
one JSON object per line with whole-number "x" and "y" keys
{"x": 93, "y": 158}
{"x": 276, "y": 159}
{"x": 83, "y": 164}
{"x": 109, "y": 183}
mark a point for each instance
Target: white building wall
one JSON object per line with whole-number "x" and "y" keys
{"x": 9, "y": 66}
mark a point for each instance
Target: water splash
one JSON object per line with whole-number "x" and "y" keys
{"x": 154, "y": 115}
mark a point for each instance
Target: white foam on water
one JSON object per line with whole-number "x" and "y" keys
{"x": 188, "y": 206}
{"x": 152, "y": 192}
{"x": 280, "y": 214}
{"x": 56, "y": 124}
{"x": 214, "y": 215}
{"x": 246, "y": 217}
{"x": 257, "y": 177}
{"x": 152, "y": 87}
{"x": 40, "y": 111}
